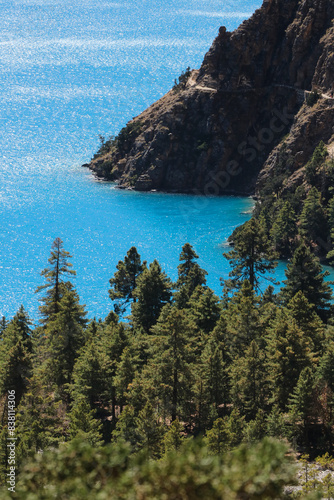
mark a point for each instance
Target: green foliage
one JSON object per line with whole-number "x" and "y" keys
{"x": 16, "y": 355}
{"x": 313, "y": 221}
{"x": 252, "y": 256}
{"x": 190, "y": 276}
{"x": 83, "y": 425}
{"x": 106, "y": 146}
{"x": 125, "y": 279}
{"x": 174, "y": 437}
{"x": 55, "y": 276}
{"x": 127, "y": 135}
{"x": 170, "y": 368}
{"x": 65, "y": 336}
{"x": 249, "y": 386}
{"x": 304, "y": 273}
{"x": 82, "y": 471}
{"x": 312, "y": 98}
{"x": 284, "y": 229}
{"x": 153, "y": 291}
{"x": 180, "y": 84}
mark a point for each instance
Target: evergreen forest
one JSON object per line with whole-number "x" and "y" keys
{"x": 177, "y": 393}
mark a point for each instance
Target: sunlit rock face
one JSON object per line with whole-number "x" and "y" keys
{"x": 216, "y": 131}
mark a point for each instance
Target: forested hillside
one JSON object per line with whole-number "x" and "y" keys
{"x": 171, "y": 362}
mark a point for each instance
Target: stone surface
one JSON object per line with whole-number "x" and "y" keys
{"x": 224, "y": 127}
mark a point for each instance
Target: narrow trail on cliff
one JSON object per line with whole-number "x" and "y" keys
{"x": 302, "y": 92}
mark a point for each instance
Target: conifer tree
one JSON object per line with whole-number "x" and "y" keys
{"x": 215, "y": 374}
{"x": 304, "y": 273}
{"x": 204, "y": 309}
{"x": 16, "y": 355}
{"x": 125, "y": 373}
{"x": 92, "y": 374}
{"x": 56, "y": 273}
{"x": 288, "y": 352}
{"x": 150, "y": 431}
{"x": 126, "y": 428}
{"x": 217, "y": 437}
{"x": 190, "y": 276}
{"x": 153, "y": 291}
{"x": 249, "y": 386}
{"x": 125, "y": 279}
{"x": 252, "y": 256}
{"x": 242, "y": 320}
{"x": 65, "y": 336}
{"x": 313, "y": 223}
{"x": 83, "y": 425}
{"x": 302, "y": 402}
{"x": 174, "y": 437}
{"x": 40, "y": 419}
{"x": 170, "y": 361}
{"x": 284, "y": 229}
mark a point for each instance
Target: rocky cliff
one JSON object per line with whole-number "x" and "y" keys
{"x": 219, "y": 128}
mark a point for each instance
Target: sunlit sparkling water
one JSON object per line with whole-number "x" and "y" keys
{"x": 70, "y": 71}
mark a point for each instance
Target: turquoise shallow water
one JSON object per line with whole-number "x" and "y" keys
{"x": 71, "y": 70}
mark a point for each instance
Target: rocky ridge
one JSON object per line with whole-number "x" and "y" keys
{"x": 221, "y": 131}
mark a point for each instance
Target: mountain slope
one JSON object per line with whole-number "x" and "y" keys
{"x": 215, "y": 131}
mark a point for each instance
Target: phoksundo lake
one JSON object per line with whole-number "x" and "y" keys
{"x": 71, "y": 70}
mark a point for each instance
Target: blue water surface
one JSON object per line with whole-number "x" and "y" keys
{"x": 71, "y": 70}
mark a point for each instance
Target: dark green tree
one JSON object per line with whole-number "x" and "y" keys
{"x": 289, "y": 351}
{"x": 190, "y": 275}
{"x": 153, "y": 291}
{"x": 252, "y": 256}
{"x": 16, "y": 355}
{"x": 56, "y": 284}
{"x": 313, "y": 219}
{"x": 170, "y": 362}
{"x": 84, "y": 425}
{"x": 65, "y": 337}
{"x": 125, "y": 279}
{"x": 174, "y": 437}
{"x": 249, "y": 381}
{"x": 284, "y": 229}
{"x": 304, "y": 274}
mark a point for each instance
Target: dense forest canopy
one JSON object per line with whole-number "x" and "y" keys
{"x": 170, "y": 363}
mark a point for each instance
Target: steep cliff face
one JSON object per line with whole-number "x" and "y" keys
{"x": 215, "y": 132}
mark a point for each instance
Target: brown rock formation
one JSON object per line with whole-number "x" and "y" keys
{"x": 215, "y": 134}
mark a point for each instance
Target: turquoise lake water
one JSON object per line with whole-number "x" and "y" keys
{"x": 70, "y": 71}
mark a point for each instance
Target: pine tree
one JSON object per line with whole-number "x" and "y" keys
{"x": 153, "y": 291}
{"x": 249, "y": 385}
{"x": 217, "y": 437}
{"x": 84, "y": 425}
{"x": 92, "y": 375}
{"x": 284, "y": 229}
{"x": 125, "y": 373}
{"x": 125, "y": 279}
{"x": 40, "y": 419}
{"x": 252, "y": 256}
{"x": 288, "y": 352}
{"x": 304, "y": 273}
{"x": 65, "y": 336}
{"x": 150, "y": 431}
{"x": 215, "y": 374}
{"x": 243, "y": 322}
{"x": 16, "y": 355}
{"x": 302, "y": 402}
{"x": 170, "y": 370}
{"x": 174, "y": 437}
{"x": 313, "y": 223}
{"x": 190, "y": 276}
{"x": 204, "y": 309}
{"x": 58, "y": 270}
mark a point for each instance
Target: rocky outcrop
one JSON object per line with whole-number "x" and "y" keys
{"x": 215, "y": 132}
